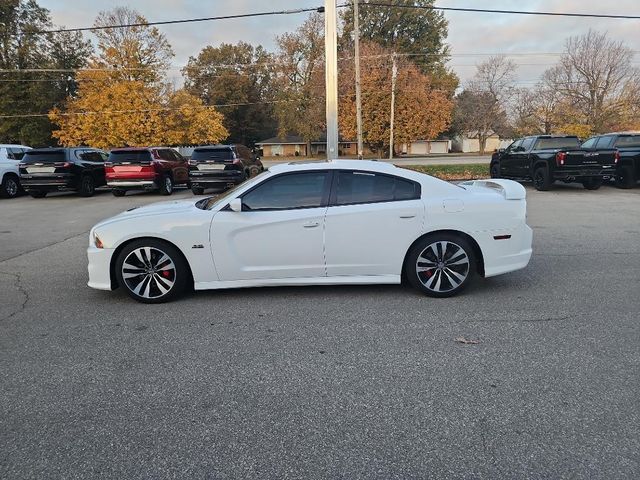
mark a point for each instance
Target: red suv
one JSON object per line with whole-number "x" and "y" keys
{"x": 153, "y": 168}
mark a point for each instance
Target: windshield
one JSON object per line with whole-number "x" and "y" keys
{"x": 559, "y": 142}
{"x": 212, "y": 202}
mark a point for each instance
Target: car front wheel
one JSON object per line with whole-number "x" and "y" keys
{"x": 440, "y": 265}
{"x": 152, "y": 271}
{"x": 495, "y": 170}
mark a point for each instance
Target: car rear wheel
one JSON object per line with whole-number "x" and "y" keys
{"x": 118, "y": 192}
{"x": 495, "y": 170}
{"x": 626, "y": 177}
{"x": 87, "y": 186}
{"x": 197, "y": 190}
{"x": 152, "y": 271}
{"x": 592, "y": 183}
{"x": 37, "y": 193}
{"x": 440, "y": 265}
{"x": 10, "y": 187}
{"x": 166, "y": 187}
{"x": 541, "y": 179}
{"x": 253, "y": 171}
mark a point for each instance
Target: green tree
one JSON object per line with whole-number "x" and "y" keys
{"x": 239, "y": 76}
{"x": 418, "y": 32}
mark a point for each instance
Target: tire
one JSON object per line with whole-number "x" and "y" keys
{"x": 87, "y": 186}
{"x": 118, "y": 192}
{"x": 197, "y": 190}
{"x": 626, "y": 177}
{"x": 166, "y": 187}
{"x": 541, "y": 179}
{"x": 37, "y": 193}
{"x": 494, "y": 170}
{"x": 10, "y": 187}
{"x": 252, "y": 171}
{"x": 152, "y": 284}
{"x": 440, "y": 265}
{"x": 592, "y": 183}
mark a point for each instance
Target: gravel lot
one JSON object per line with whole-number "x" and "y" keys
{"x": 325, "y": 382}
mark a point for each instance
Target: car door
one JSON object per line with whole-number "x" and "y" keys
{"x": 371, "y": 221}
{"x": 179, "y": 166}
{"x": 521, "y": 157}
{"x": 279, "y": 232}
{"x": 508, "y": 160}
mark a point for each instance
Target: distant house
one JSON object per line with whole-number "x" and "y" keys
{"x": 470, "y": 144}
{"x": 294, "y": 145}
{"x": 426, "y": 147}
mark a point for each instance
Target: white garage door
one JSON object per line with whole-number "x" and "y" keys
{"x": 419, "y": 148}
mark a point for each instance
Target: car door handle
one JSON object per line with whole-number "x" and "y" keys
{"x": 408, "y": 216}
{"x": 311, "y": 224}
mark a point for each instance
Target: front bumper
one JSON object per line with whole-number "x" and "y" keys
{"x": 99, "y": 268}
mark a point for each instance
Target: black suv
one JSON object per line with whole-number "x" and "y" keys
{"x": 628, "y": 146}
{"x": 79, "y": 169}
{"x": 221, "y": 166}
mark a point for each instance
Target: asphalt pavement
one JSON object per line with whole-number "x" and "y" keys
{"x": 325, "y": 382}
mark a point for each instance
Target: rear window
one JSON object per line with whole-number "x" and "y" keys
{"x": 43, "y": 157}
{"x": 212, "y": 154}
{"x": 560, "y": 142}
{"x": 130, "y": 156}
{"x": 628, "y": 141}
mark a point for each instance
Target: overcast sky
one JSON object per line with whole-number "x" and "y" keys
{"x": 469, "y": 33}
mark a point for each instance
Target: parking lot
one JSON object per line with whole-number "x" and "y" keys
{"x": 325, "y": 382}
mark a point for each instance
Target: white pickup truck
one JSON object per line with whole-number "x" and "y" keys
{"x": 10, "y": 156}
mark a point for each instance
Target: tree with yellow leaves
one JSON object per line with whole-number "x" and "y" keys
{"x": 121, "y": 100}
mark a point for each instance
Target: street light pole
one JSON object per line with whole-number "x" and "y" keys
{"x": 356, "y": 41}
{"x": 331, "y": 76}
{"x": 394, "y": 74}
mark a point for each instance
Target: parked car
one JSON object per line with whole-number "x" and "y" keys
{"x": 628, "y": 146}
{"x": 78, "y": 169}
{"x": 547, "y": 158}
{"x": 222, "y": 166}
{"x": 338, "y": 222}
{"x": 10, "y": 156}
{"x": 152, "y": 168}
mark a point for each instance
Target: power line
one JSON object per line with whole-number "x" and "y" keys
{"x": 508, "y": 12}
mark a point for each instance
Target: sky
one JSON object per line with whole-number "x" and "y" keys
{"x": 471, "y": 35}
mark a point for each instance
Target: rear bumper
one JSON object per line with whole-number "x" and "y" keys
{"x": 99, "y": 268}
{"x": 49, "y": 184}
{"x": 584, "y": 172}
{"x": 503, "y": 256}
{"x": 133, "y": 184}
{"x": 224, "y": 177}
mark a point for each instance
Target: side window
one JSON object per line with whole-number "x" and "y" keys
{"x": 164, "y": 154}
{"x": 514, "y": 146}
{"x": 15, "y": 153}
{"x": 297, "y": 190}
{"x": 605, "y": 142}
{"x": 527, "y": 143}
{"x": 591, "y": 143}
{"x": 367, "y": 187}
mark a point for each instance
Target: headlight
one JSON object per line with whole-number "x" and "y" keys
{"x": 96, "y": 241}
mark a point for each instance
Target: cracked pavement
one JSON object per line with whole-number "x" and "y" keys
{"x": 325, "y": 382}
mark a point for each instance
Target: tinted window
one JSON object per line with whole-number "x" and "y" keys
{"x": 605, "y": 142}
{"x": 628, "y": 141}
{"x": 15, "y": 153}
{"x": 298, "y": 190}
{"x": 513, "y": 147}
{"x": 365, "y": 187}
{"x": 212, "y": 154}
{"x": 527, "y": 143}
{"x": 165, "y": 154}
{"x": 559, "y": 142}
{"x": 591, "y": 143}
{"x": 130, "y": 156}
{"x": 89, "y": 156}
{"x": 43, "y": 156}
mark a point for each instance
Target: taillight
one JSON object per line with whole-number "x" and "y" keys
{"x": 616, "y": 157}
{"x": 108, "y": 164}
{"x": 62, "y": 164}
{"x": 193, "y": 163}
{"x": 22, "y": 165}
{"x": 560, "y": 158}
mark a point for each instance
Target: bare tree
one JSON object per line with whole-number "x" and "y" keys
{"x": 596, "y": 77}
{"x": 496, "y": 75}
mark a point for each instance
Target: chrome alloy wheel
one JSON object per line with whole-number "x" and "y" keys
{"x": 149, "y": 272}
{"x": 442, "y": 266}
{"x": 11, "y": 187}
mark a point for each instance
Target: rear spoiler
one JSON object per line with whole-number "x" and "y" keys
{"x": 509, "y": 189}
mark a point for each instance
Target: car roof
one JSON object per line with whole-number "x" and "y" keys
{"x": 369, "y": 165}
{"x": 11, "y": 145}
{"x": 138, "y": 149}
{"x": 60, "y": 149}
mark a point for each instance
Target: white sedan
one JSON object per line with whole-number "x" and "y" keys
{"x": 317, "y": 223}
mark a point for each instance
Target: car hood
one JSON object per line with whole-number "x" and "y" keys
{"x": 159, "y": 208}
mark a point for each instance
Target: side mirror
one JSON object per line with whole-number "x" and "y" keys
{"x": 501, "y": 150}
{"x": 236, "y": 205}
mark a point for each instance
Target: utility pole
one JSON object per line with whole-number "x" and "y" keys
{"x": 394, "y": 74}
{"x": 356, "y": 41}
{"x": 331, "y": 76}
